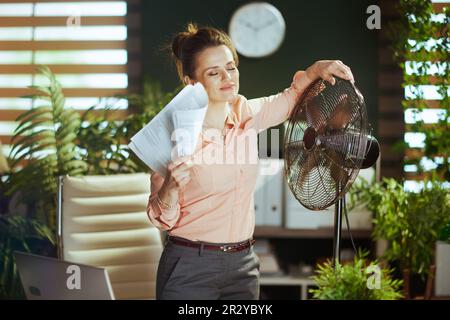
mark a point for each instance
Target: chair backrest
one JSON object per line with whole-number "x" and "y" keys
{"x": 103, "y": 222}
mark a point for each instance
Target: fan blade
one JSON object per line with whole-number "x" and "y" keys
{"x": 305, "y": 168}
{"x": 342, "y": 114}
{"x": 350, "y": 144}
{"x": 314, "y": 117}
{"x": 293, "y": 150}
{"x": 336, "y": 168}
{"x": 294, "y": 155}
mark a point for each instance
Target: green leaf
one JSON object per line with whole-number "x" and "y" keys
{"x": 44, "y": 90}
{"x": 27, "y": 126}
{"x": 34, "y": 112}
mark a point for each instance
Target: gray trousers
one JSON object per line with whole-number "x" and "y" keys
{"x": 186, "y": 273}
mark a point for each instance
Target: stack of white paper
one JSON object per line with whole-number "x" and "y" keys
{"x": 174, "y": 131}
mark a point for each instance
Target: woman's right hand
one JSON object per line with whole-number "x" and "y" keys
{"x": 178, "y": 173}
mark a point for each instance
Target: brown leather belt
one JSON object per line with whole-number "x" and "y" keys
{"x": 225, "y": 248}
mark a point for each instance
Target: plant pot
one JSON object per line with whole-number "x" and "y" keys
{"x": 442, "y": 279}
{"x": 413, "y": 284}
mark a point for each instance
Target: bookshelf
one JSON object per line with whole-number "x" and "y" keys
{"x": 320, "y": 233}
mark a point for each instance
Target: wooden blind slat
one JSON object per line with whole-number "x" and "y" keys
{"x": 68, "y": 92}
{"x": 63, "y": 68}
{"x": 389, "y": 128}
{"x": 5, "y": 139}
{"x": 414, "y": 176}
{"x": 432, "y": 104}
{"x": 11, "y": 115}
{"x": 417, "y": 153}
{"x": 62, "y": 45}
{"x": 409, "y": 128}
{"x": 439, "y": 6}
{"x": 432, "y": 56}
{"x": 390, "y": 80}
{"x": 60, "y": 21}
{"x": 413, "y": 153}
{"x": 36, "y": 1}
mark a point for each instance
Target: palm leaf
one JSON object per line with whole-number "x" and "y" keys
{"x": 44, "y": 90}
{"x": 34, "y": 111}
{"x": 31, "y": 148}
{"x": 49, "y": 130}
{"x": 23, "y": 127}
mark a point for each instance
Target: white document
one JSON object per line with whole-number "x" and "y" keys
{"x": 174, "y": 131}
{"x": 188, "y": 125}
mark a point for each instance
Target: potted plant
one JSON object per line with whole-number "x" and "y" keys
{"x": 51, "y": 140}
{"x": 410, "y": 223}
{"x": 43, "y": 147}
{"x": 360, "y": 280}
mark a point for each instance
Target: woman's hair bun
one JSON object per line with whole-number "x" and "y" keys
{"x": 180, "y": 38}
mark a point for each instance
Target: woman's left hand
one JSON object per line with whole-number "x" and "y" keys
{"x": 326, "y": 69}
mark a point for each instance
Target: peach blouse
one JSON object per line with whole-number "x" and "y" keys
{"x": 217, "y": 204}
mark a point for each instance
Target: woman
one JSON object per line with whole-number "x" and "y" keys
{"x": 207, "y": 206}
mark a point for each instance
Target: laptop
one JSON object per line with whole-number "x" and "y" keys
{"x": 45, "y": 278}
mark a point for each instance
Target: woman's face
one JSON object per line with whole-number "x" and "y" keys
{"x": 217, "y": 72}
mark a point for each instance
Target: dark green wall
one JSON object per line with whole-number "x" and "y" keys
{"x": 315, "y": 30}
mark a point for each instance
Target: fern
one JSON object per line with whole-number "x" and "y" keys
{"x": 45, "y": 138}
{"x": 351, "y": 281}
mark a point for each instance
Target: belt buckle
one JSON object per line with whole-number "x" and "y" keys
{"x": 226, "y": 248}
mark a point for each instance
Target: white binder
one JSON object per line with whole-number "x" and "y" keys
{"x": 269, "y": 193}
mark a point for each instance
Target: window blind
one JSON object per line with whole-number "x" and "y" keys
{"x": 83, "y": 42}
{"x": 433, "y": 113}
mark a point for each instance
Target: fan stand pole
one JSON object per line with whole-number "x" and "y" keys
{"x": 337, "y": 231}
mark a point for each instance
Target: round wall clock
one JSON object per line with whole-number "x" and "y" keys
{"x": 257, "y": 29}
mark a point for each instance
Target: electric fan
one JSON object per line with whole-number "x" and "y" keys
{"x": 327, "y": 142}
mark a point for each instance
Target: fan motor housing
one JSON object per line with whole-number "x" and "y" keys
{"x": 309, "y": 139}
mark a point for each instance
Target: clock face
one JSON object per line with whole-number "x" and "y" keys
{"x": 257, "y": 29}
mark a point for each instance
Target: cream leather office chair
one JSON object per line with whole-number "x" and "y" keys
{"x": 102, "y": 221}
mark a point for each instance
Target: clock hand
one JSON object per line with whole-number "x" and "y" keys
{"x": 248, "y": 25}
{"x": 267, "y": 24}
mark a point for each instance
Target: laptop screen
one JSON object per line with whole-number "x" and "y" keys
{"x": 45, "y": 278}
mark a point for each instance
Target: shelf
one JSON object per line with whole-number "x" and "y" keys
{"x": 285, "y": 280}
{"x": 324, "y": 233}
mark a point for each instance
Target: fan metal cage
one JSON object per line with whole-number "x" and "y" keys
{"x": 325, "y": 142}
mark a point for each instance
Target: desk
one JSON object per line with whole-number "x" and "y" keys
{"x": 287, "y": 280}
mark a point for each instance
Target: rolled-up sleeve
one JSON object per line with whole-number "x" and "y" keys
{"x": 275, "y": 109}
{"x": 162, "y": 218}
